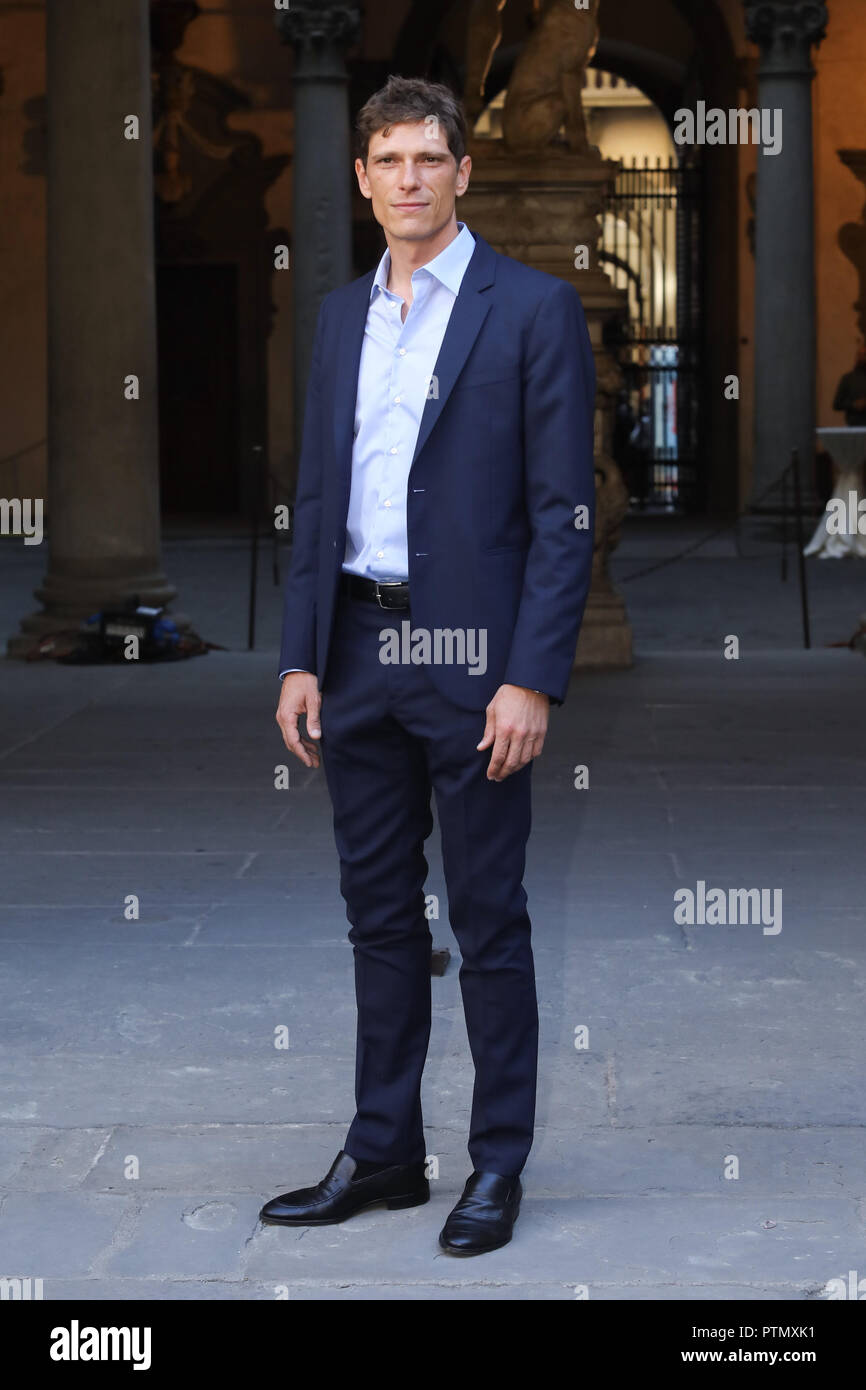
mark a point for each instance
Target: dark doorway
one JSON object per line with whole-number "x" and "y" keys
{"x": 197, "y": 326}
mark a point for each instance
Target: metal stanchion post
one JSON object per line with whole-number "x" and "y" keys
{"x": 785, "y": 527}
{"x": 801, "y": 558}
{"x": 254, "y": 543}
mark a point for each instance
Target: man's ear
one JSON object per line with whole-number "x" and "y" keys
{"x": 363, "y": 181}
{"x": 463, "y": 175}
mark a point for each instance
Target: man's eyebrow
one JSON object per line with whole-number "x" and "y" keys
{"x": 390, "y": 154}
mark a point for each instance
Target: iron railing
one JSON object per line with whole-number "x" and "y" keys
{"x": 650, "y": 245}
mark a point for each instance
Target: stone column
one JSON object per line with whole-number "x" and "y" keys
{"x": 322, "y": 168}
{"x": 785, "y": 351}
{"x": 103, "y": 459}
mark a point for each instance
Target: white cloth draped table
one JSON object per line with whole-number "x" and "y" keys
{"x": 848, "y": 449}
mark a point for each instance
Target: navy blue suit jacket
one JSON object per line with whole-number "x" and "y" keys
{"x": 504, "y": 458}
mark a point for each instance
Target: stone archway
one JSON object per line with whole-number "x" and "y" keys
{"x": 710, "y": 73}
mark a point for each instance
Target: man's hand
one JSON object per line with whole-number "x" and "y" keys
{"x": 300, "y": 695}
{"x": 516, "y": 727}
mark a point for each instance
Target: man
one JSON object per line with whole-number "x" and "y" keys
{"x": 441, "y": 562}
{"x": 851, "y": 391}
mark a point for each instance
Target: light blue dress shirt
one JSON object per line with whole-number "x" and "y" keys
{"x": 395, "y": 378}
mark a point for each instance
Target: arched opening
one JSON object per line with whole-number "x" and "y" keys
{"x": 650, "y": 247}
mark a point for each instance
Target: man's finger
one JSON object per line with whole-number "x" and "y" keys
{"x": 497, "y": 757}
{"x": 537, "y": 747}
{"x": 292, "y": 739}
{"x": 288, "y": 726}
{"x": 516, "y": 756}
{"x": 521, "y": 752}
{"x": 488, "y": 735}
{"x": 313, "y": 750}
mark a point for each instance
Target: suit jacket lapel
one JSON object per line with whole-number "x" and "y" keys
{"x": 347, "y": 367}
{"x": 471, "y": 308}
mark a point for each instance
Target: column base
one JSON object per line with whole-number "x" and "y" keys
{"x": 605, "y": 641}
{"x": 70, "y": 599}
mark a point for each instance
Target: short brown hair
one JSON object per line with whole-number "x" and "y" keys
{"x": 405, "y": 100}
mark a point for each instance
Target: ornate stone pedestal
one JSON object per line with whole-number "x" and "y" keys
{"x": 543, "y": 210}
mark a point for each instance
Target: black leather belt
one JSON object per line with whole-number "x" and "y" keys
{"x": 386, "y": 594}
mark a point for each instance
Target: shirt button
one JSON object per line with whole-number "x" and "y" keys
{"x": 394, "y": 450}
{"x": 380, "y": 554}
{"x": 397, "y": 400}
{"x": 388, "y": 503}
{"x": 402, "y": 352}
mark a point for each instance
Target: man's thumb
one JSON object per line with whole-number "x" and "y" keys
{"x": 313, "y": 708}
{"x": 489, "y": 734}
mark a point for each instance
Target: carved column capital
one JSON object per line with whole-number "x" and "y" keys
{"x": 785, "y": 31}
{"x": 311, "y": 23}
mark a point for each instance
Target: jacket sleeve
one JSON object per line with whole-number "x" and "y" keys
{"x": 298, "y": 646}
{"x": 559, "y": 479}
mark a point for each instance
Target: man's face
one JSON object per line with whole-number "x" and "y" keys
{"x": 413, "y": 180}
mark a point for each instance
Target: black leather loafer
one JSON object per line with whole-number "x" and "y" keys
{"x": 484, "y": 1217}
{"x": 340, "y": 1195}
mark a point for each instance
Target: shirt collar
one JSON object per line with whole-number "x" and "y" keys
{"x": 448, "y": 267}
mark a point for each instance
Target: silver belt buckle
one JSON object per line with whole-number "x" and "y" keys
{"x": 387, "y": 584}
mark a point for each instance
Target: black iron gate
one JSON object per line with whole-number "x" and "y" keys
{"x": 650, "y": 246}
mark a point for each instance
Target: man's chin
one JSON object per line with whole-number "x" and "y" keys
{"x": 413, "y": 228}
